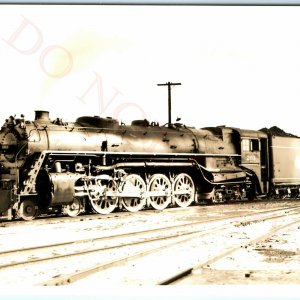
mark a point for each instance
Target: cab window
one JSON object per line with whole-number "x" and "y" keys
{"x": 250, "y": 145}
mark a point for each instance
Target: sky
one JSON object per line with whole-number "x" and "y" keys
{"x": 238, "y": 66}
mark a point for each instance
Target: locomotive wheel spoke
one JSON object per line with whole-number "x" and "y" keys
{"x": 133, "y": 184}
{"x": 105, "y": 204}
{"x": 28, "y": 210}
{"x": 161, "y": 186}
{"x": 183, "y": 190}
{"x": 73, "y": 209}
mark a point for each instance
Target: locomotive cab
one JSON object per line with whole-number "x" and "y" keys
{"x": 254, "y": 153}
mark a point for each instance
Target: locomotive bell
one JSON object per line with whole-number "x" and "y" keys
{"x": 42, "y": 116}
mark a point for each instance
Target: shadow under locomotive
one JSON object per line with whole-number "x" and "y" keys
{"x": 99, "y": 165}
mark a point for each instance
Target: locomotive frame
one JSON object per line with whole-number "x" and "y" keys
{"x": 95, "y": 164}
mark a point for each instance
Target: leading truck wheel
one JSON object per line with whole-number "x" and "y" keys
{"x": 28, "y": 210}
{"x": 73, "y": 209}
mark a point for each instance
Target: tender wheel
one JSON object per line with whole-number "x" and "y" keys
{"x": 73, "y": 209}
{"x": 159, "y": 191}
{"x": 183, "y": 190}
{"x": 133, "y": 185}
{"x": 102, "y": 200}
{"x": 28, "y": 210}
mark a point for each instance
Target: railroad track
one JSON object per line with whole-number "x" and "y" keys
{"x": 190, "y": 236}
{"x": 158, "y": 239}
{"x": 181, "y": 239}
{"x": 70, "y": 248}
{"x": 57, "y": 219}
{"x": 24, "y": 227}
{"x": 188, "y": 272}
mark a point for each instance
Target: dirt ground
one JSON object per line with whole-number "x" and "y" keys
{"x": 273, "y": 262}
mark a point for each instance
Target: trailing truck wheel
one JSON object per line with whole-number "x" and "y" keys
{"x": 183, "y": 190}
{"x": 159, "y": 191}
{"x": 28, "y": 210}
{"x": 135, "y": 187}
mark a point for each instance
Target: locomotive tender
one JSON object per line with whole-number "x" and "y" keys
{"x": 96, "y": 164}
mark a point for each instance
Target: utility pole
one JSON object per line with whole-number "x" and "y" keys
{"x": 169, "y": 84}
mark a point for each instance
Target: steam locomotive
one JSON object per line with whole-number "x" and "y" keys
{"x": 96, "y": 164}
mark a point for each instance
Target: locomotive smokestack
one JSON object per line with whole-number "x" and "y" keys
{"x": 42, "y": 116}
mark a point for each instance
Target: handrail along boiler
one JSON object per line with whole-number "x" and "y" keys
{"x": 96, "y": 164}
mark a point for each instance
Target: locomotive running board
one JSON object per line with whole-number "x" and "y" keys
{"x": 150, "y": 154}
{"x": 145, "y": 164}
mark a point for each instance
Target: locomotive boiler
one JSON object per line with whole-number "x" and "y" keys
{"x": 96, "y": 164}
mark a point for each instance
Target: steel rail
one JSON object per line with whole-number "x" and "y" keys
{"x": 52, "y": 245}
{"x": 189, "y": 271}
{"x": 81, "y": 274}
